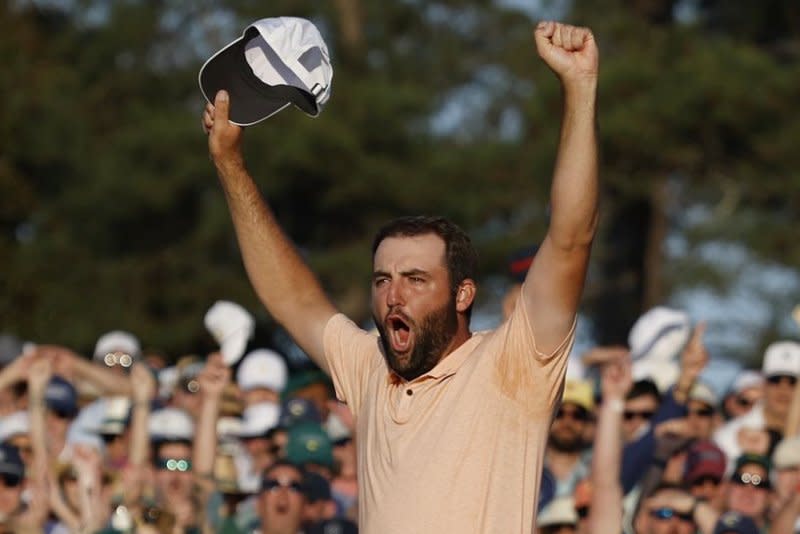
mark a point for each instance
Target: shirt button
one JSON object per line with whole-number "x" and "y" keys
{"x": 409, "y": 392}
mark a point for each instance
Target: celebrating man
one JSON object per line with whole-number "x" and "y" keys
{"x": 451, "y": 424}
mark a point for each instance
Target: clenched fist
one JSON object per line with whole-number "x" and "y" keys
{"x": 570, "y": 51}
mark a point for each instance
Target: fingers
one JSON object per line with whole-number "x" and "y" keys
{"x": 563, "y": 36}
{"x": 208, "y": 118}
{"x": 221, "y": 104}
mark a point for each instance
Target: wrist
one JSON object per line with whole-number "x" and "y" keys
{"x": 614, "y": 405}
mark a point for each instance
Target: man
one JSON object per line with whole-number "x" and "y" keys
{"x": 660, "y": 515}
{"x": 701, "y": 411}
{"x": 282, "y": 500}
{"x": 566, "y": 445}
{"x": 749, "y": 490}
{"x": 704, "y": 470}
{"x": 451, "y": 424}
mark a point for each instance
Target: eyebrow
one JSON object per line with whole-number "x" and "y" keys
{"x": 409, "y": 272}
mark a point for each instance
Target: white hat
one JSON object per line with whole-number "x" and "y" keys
{"x": 232, "y": 326}
{"x": 659, "y": 334}
{"x": 787, "y": 453}
{"x": 259, "y": 418}
{"x": 703, "y": 393}
{"x": 746, "y": 380}
{"x": 228, "y": 427}
{"x": 117, "y": 341}
{"x": 663, "y": 373}
{"x": 115, "y": 419}
{"x": 14, "y": 424}
{"x": 782, "y": 358}
{"x": 170, "y": 424}
{"x": 262, "y": 368}
{"x": 276, "y": 62}
{"x": 559, "y": 511}
{"x": 167, "y": 378}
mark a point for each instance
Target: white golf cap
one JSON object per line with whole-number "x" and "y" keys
{"x": 170, "y": 424}
{"x": 117, "y": 341}
{"x": 232, "y": 326}
{"x": 276, "y": 62}
{"x": 659, "y": 334}
{"x": 782, "y": 358}
{"x": 262, "y": 368}
{"x": 14, "y": 424}
{"x": 559, "y": 511}
{"x": 748, "y": 379}
{"x": 259, "y": 418}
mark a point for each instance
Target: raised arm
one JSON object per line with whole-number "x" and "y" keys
{"x": 554, "y": 283}
{"x": 286, "y": 286}
{"x": 606, "y": 509}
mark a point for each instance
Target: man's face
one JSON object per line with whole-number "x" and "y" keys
{"x": 662, "y": 518}
{"x": 173, "y": 470}
{"x": 281, "y": 501}
{"x": 638, "y": 412}
{"x": 786, "y": 480}
{"x": 742, "y": 402}
{"x": 10, "y": 495}
{"x": 749, "y": 491}
{"x": 412, "y": 304}
{"x": 778, "y": 393}
{"x": 705, "y": 488}
{"x": 567, "y": 430}
{"x": 700, "y": 418}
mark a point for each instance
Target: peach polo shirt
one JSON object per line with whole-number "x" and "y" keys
{"x": 459, "y": 449}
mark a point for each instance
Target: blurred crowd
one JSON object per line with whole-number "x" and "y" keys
{"x": 643, "y": 442}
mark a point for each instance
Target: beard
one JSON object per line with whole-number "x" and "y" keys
{"x": 561, "y": 443}
{"x": 431, "y": 338}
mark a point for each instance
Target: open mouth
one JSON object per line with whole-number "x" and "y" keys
{"x": 399, "y": 331}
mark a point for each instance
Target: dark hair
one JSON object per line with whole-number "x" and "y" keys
{"x": 460, "y": 256}
{"x": 642, "y": 388}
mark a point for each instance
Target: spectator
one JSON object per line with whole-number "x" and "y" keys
{"x": 564, "y": 456}
{"x": 662, "y": 512}
{"x": 12, "y": 478}
{"x": 786, "y": 464}
{"x": 558, "y": 517}
{"x": 749, "y": 488}
{"x": 746, "y": 391}
{"x": 705, "y": 470}
{"x": 310, "y": 447}
{"x": 262, "y": 375}
{"x": 282, "y": 499}
{"x": 320, "y": 505}
{"x": 256, "y": 434}
{"x": 701, "y": 415}
{"x": 641, "y": 404}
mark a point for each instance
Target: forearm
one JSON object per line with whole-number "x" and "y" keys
{"x": 109, "y": 382}
{"x": 283, "y": 282}
{"x": 574, "y": 192}
{"x": 606, "y": 507}
{"x": 793, "y": 420}
{"x": 205, "y": 442}
{"x": 139, "y": 446}
{"x": 787, "y": 516}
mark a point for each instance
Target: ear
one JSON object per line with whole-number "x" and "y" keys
{"x": 465, "y": 295}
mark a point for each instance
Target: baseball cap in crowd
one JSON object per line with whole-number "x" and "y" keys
{"x": 61, "y": 397}
{"x": 14, "y": 424}
{"x": 262, "y": 368}
{"x": 782, "y": 358}
{"x": 659, "y": 334}
{"x": 11, "y": 465}
{"x": 336, "y": 525}
{"x": 116, "y": 416}
{"x": 317, "y": 487}
{"x": 735, "y": 523}
{"x": 703, "y": 393}
{"x": 520, "y": 261}
{"x": 170, "y": 424}
{"x": 232, "y": 326}
{"x": 560, "y": 511}
{"x": 276, "y": 62}
{"x": 662, "y": 373}
{"x": 751, "y": 458}
{"x": 295, "y": 411}
{"x": 117, "y": 348}
{"x": 787, "y": 453}
{"x": 308, "y": 443}
{"x": 747, "y": 379}
{"x": 259, "y": 419}
{"x": 580, "y": 393}
{"x": 704, "y": 459}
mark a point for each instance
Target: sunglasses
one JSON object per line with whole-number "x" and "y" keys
{"x": 272, "y": 484}
{"x": 705, "y": 479}
{"x": 582, "y": 511}
{"x": 124, "y": 360}
{"x": 777, "y": 379}
{"x": 173, "y": 464}
{"x": 744, "y": 402}
{"x": 750, "y": 479}
{"x": 665, "y": 514}
{"x": 10, "y": 480}
{"x": 576, "y": 415}
{"x": 702, "y": 412}
{"x": 630, "y": 415}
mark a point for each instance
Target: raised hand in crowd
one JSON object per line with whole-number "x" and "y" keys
{"x": 606, "y": 505}
{"x": 694, "y": 359}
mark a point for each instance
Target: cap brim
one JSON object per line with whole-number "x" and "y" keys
{"x": 233, "y": 347}
{"x": 251, "y": 100}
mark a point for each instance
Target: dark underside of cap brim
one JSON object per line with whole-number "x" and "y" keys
{"x": 251, "y": 100}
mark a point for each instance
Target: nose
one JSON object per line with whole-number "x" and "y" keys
{"x": 394, "y": 294}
